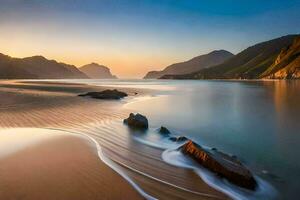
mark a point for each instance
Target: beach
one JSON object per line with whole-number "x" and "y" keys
{"x": 59, "y": 166}
{"x": 54, "y": 105}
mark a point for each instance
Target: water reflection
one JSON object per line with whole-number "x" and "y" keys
{"x": 257, "y": 121}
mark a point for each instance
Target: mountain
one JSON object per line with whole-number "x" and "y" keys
{"x": 287, "y": 63}
{"x": 277, "y": 58}
{"x": 97, "y": 71}
{"x": 36, "y": 67}
{"x": 9, "y": 69}
{"x": 193, "y": 65}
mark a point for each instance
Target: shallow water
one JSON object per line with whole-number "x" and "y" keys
{"x": 13, "y": 140}
{"x": 258, "y": 121}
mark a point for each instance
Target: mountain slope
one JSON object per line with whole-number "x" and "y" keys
{"x": 287, "y": 63}
{"x": 254, "y": 62}
{"x": 9, "y": 70}
{"x": 36, "y": 67}
{"x": 97, "y": 71}
{"x": 193, "y": 65}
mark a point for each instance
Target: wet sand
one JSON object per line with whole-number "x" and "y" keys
{"x": 56, "y": 105}
{"x": 59, "y": 167}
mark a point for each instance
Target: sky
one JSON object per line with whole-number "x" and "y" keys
{"x": 132, "y": 37}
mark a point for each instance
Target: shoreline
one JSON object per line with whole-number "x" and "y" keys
{"x": 233, "y": 80}
{"x": 58, "y": 167}
{"x": 57, "y": 106}
{"x": 114, "y": 167}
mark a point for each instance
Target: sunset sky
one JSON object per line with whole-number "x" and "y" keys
{"x": 135, "y": 36}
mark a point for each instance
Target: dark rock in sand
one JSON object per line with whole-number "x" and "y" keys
{"x": 137, "y": 121}
{"x": 178, "y": 139}
{"x": 163, "y": 130}
{"x": 221, "y": 164}
{"x": 106, "y": 94}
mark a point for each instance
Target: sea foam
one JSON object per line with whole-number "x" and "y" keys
{"x": 177, "y": 158}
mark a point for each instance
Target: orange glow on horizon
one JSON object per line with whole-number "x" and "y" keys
{"x": 123, "y": 63}
{"x": 122, "y": 66}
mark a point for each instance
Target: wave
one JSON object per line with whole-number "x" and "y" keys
{"x": 115, "y": 167}
{"x": 174, "y": 157}
{"x": 177, "y": 158}
{"x": 111, "y": 164}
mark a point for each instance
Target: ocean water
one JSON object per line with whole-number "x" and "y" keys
{"x": 258, "y": 121}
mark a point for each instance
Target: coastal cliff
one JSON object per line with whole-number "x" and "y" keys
{"x": 277, "y": 58}
{"x": 287, "y": 63}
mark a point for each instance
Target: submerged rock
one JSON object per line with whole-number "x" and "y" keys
{"x": 163, "y": 130}
{"x": 178, "y": 139}
{"x": 106, "y": 94}
{"x": 137, "y": 121}
{"x": 222, "y": 164}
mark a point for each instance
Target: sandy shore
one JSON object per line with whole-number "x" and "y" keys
{"x": 56, "y": 105}
{"x": 59, "y": 167}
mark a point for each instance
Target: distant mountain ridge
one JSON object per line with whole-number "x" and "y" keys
{"x": 36, "y": 67}
{"x": 277, "y": 58}
{"x": 274, "y": 59}
{"x": 39, "y": 67}
{"x": 97, "y": 71}
{"x": 192, "y": 65}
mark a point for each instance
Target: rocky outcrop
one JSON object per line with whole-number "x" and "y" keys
{"x": 106, "y": 94}
{"x": 164, "y": 131}
{"x": 287, "y": 63}
{"x": 97, "y": 71}
{"x": 222, "y": 164}
{"x": 137, "y": 121}
{"x": 294, "y": 73}
{"x": 178, "y": 139}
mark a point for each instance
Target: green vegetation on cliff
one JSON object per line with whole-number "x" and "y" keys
{"x": 192, "y": 65}
{"x": 277, "y": 58}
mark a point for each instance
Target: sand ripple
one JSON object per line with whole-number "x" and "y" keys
{"x": 50, "y": 107}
